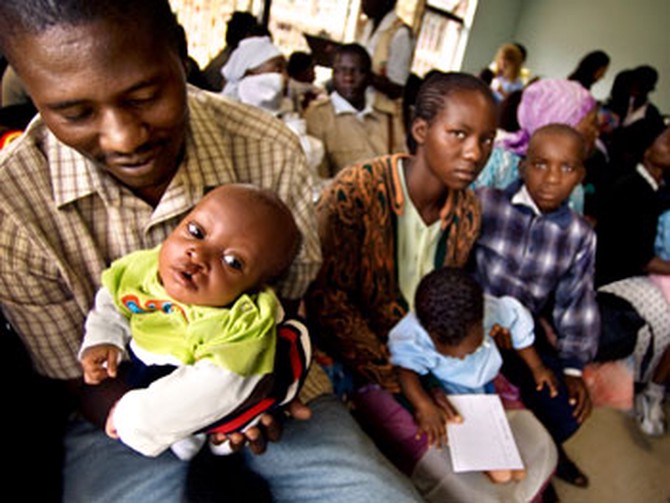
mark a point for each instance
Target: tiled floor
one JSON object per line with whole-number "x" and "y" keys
{"x": 624, "y": 466}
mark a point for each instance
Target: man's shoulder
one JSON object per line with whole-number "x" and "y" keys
{"x": 218, "y": 115}
{"x": 364, "y": 180}
{"x": 320, "y": 107}
{"x": 24, "y": 165}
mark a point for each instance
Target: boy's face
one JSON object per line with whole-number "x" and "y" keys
{"x": 552, "y": 168}
{"x": 115, "y": 94}
{"x": 349, "y": 77}
{"x": 472, "y": 342}
{"x": 222, "y": 249}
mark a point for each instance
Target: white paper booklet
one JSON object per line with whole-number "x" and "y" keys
{"x": 483, "y": 441}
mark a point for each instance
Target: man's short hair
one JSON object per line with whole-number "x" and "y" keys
{"x": 36, "y": 16}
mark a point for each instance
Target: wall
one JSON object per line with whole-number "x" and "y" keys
{"x": 494, "y": 23}
{"x": 557, "y": 33}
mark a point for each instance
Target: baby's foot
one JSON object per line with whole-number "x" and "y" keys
{"x": 518, "y": 475}
{"x": 499, "y": 476}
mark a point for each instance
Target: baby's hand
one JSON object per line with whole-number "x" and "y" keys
{"x": 99, "y": 362}
{"x": 543, "y": 376}
{"x": 432, "y": 421}
{"x": 448, "y": 411}
{"x": 502, "y": 336}
{"x": 110, "y": 429}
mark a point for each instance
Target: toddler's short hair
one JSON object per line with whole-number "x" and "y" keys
{"x": 448, "y": 302}
{"x": 563, "y": 129}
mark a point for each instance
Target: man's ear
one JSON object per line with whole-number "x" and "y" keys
{"x": 419, "y": 130}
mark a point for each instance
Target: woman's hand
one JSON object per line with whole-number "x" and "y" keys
{"x": 268, "y": 429}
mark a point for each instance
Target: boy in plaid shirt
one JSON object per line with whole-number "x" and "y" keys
{"x": 534, "y": 248}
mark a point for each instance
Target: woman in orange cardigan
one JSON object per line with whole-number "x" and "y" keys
{"x": 384, "y": 224}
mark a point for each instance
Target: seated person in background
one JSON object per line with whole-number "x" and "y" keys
{"x": 199, "y": 324}
{"x": 507, "y": 79}
{"x": 390, "y": 44}
{"x": 638, "y": 115}
{"x": 487, "y": 75}
{"x": 347, "y": 122}
{"x": 450, "y": 338}
{"x": 301, "y": 88}
{"x": 508, "y": 121}
{"x": 644, "y": 82}
{"x": 240, "y": 25}
{"x": 543, "y": 102}
{"x": 534, "y": 248}
{"x": 628, "y": 225}
{"x": 194, "y": 75}
{"x": 630, "y": 253}
{"x": 256, "y": 75}
{"x": 590, "y": 69}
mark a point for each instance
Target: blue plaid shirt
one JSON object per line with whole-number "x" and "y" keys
{"x": 540, "y": 258}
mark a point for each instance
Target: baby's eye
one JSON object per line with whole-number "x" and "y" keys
{"x": 568, "y": 168}
{"x": 232, "y": 261}
{"x": 459, "y": 134}
{"x": 195, "y": 231}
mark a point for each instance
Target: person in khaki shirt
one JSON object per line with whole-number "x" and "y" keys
{"x": 350, "y": 128}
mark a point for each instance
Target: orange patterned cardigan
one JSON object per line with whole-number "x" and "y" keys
{"x": 355, "y": 300}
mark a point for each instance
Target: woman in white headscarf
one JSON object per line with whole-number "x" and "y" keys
{"x": 256, "y": 75}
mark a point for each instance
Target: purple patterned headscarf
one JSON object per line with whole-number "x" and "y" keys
{"x": 547, "y": 102}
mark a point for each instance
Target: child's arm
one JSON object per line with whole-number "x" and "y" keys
{"x": 106, "y": 333}
{"x": 543, "y": 376}
{"x": 501, "y": 336}
{"x": 99, "y": 362}
{"x": 430, "y": 418}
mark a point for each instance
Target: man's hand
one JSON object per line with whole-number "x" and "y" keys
{"x": 268, "y": 428}
{"x": 99, "y": 362}
{"x": 579, "y": 398}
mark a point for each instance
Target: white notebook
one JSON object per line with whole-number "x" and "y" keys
{"x": 484, "y": 440}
